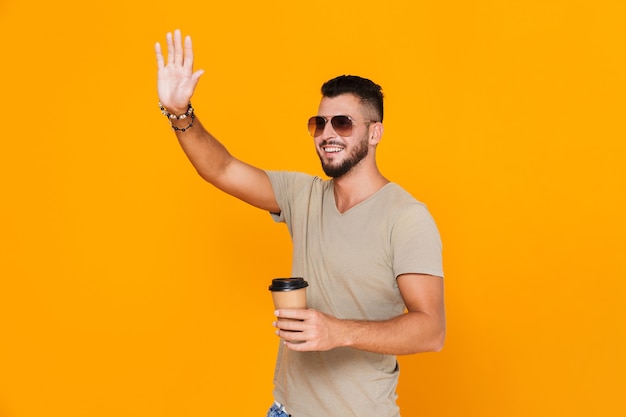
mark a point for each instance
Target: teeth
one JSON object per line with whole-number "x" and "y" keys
{"x": 332, "y": 149}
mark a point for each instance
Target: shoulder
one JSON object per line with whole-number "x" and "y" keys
{"x": 397, "y": 199}
{"x": 295, "y": 183}
{"x": 287, "y": 174}
{"x": 402, "y": 209}
{"x": 292, "y": 177}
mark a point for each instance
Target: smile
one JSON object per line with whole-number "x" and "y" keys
{"x": 332, "y": 149}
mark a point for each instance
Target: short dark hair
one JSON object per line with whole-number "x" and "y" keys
{"x": 370, "y": 93}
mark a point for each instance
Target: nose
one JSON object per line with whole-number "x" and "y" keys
{"x": 328, "y": 131}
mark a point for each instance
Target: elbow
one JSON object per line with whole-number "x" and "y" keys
{"x": 205, "y": 175}
{"x": 436, "y": 335}
{"x": 439, "y": 338}
{"x": 428, "y": 336}
{"x": 438, "y": 341}
{"x": 431, "y": 343}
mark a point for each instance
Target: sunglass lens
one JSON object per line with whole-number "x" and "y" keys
{"x": 342, "y": 125}
{"x": 316, "y": 125}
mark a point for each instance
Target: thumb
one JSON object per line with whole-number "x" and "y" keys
{"x": 195, "y": 77}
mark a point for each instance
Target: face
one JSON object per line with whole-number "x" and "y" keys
{"x": 339, "y": 154}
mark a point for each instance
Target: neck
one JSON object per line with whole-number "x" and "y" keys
{"x": 356, "y": 186}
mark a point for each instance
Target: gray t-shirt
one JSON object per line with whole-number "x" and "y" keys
{"x": 351, "y": 261}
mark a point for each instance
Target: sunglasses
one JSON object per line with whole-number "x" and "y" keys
{"x": 341, "y": 124}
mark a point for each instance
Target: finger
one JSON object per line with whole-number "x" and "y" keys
{"x": 178, "y": 47}
{"x": 298, "y": 314}
{"x": 301, "y": 346}
{"x": 159, "y": 55}
{"x": 291, "y": 337}
{"x": 195, "y": 77}
{"x": 290, "y": 325}
{"x": 170, "y": 48}
{"x": 188, "y": 58}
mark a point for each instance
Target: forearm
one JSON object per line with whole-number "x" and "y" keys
{"x": 207, "y": 155}
{"x": 216, "y": 165}
{"x": 413, "y": 332}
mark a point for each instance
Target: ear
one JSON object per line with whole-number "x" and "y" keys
{"x": 376, "y": 133}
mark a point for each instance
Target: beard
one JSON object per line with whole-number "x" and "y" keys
{"x": 356, "y": 155}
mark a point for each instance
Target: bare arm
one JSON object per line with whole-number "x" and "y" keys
{"x": 176, "y": 84}
{"x": 421, "y": 329}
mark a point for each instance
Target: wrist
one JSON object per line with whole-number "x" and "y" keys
{"x": 182, "y": 125}
{"x": 179, "y": 122}
{"x": 345, "y": 332}
{"x": 174, "y": 113}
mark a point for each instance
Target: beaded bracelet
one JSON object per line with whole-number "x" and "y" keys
{"x": 182, "y": 129}
{"x": 173, "y": 116}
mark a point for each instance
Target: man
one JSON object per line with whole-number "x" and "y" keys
{"x": 370, "y": 252}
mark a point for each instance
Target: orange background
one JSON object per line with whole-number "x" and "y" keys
{"x": 128, "y": 287}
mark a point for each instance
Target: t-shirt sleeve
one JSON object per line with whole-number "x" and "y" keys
{"x": 287, "y": 185}
{"x": 416, "y": 243}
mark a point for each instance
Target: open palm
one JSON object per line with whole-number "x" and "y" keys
{"x": 176, "y": 79}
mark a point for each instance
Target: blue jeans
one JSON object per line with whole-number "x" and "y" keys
{"x": 277, "y": 411}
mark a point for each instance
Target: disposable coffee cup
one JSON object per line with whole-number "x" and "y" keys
{"x": 289, "y": 293}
